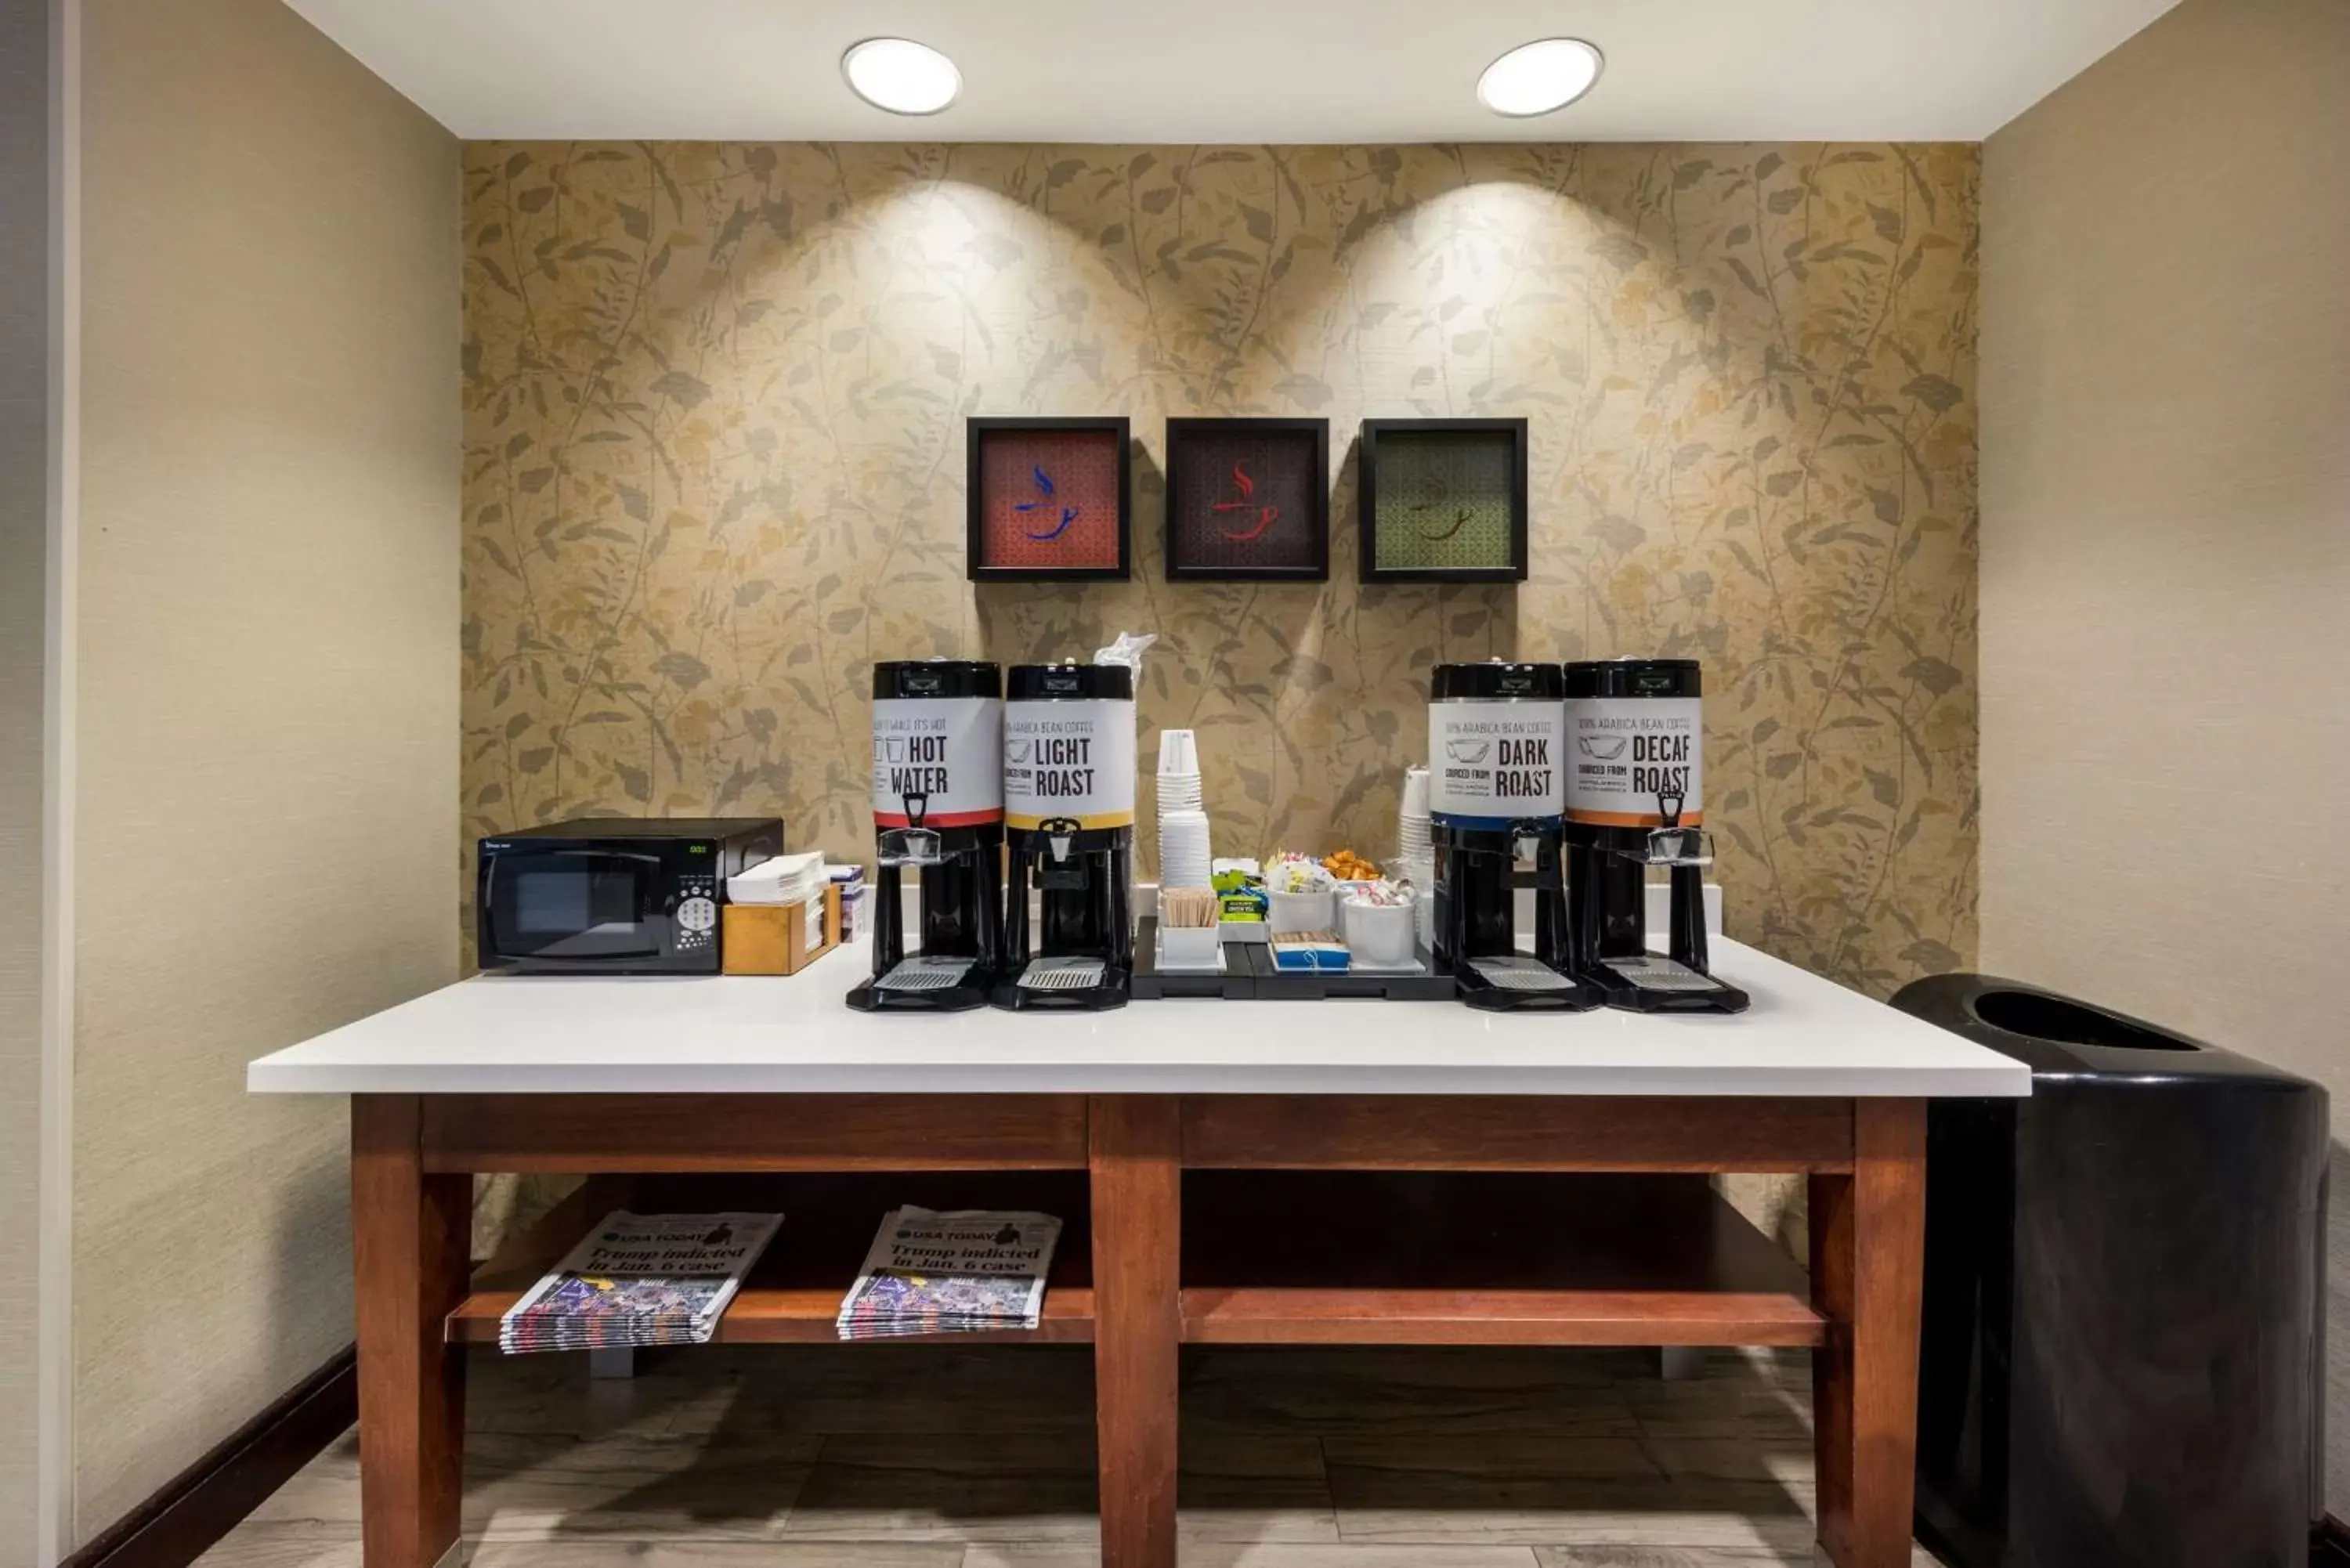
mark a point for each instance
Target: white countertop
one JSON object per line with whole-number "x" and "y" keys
{"x": 568, "y": 1034}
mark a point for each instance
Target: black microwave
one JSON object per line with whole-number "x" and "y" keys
{"x": 612, "y": 895}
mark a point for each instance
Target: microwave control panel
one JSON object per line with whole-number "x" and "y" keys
{"x": 696, "y": 919}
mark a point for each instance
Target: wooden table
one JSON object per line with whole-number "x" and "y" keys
{"x": 756, "y": 1079}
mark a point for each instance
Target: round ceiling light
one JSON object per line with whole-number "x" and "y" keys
{"x": 901, "y": 76}
{"x": 1539, "y": 78}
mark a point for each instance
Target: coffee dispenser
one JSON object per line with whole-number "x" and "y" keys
{"x": 1068, "y": 800}
{"x": 938, "y": 810}
{"x": 1495, "y": 797}
{"x": 1635, "y": 798}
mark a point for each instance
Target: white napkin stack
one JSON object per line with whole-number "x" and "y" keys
{"x": 785, "y": 879}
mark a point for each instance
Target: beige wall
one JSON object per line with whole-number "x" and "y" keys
{"x": 2165, "y": 537}
{"x": 2167, "y": 530}
{"x": 715, "y": 432}
{"x": 23, "y": 508}
{"x": 268, "y": 690}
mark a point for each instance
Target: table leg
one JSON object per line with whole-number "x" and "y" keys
{"x": 1868, "y": 1256}
{"x": 1135, "y": 1164}
{"x": 409, "y": 1245}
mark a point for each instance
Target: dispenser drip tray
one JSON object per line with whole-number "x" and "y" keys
{"x": 1519, "y": 975}
{"x": 1654, "y": 973}
{"x": 1064, "y": 974}
{"x": 942, "y": 972}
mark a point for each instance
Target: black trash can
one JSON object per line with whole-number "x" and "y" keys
{"x": 2124, "y": 1336}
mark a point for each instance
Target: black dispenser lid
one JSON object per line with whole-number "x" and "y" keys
{"x": 1495, "y": 680}
{"x": 1046, "y": 682}
{"x": 1633, "y": 678}
{"x": 913, "y": 677}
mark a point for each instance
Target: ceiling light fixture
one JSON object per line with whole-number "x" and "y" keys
{"x": 901, "y": 76}
{"x": 1539, "y": 78}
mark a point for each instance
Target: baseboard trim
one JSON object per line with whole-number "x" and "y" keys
{"x": 2332, "y": 1547}
{"x": 203, "y": 1503}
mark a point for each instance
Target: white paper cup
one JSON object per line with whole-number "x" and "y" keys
{"x": 1415, "y": 794}
{"x": 1302, "y": 911}
{"x": 1178, "y": 753}
{"x": 1378, "y": 934}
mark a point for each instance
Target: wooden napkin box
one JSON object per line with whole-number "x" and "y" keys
{"x": 773, "y": 938}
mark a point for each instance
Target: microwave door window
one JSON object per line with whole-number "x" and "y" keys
{"x": 579, "y": 906}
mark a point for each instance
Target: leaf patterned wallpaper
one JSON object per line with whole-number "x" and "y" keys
{"x": 715, "y": 398}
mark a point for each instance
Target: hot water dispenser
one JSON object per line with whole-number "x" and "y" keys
{"x": 938, "y": 808}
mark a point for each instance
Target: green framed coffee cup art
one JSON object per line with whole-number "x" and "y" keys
{"x": 1443, "y": 500}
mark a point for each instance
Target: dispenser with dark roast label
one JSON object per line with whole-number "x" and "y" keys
{"x": 1496, "y": 798}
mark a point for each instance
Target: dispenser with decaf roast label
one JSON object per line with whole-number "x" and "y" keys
{"x": 938, "y": 812}
{"x": 1068, "y": 812}
{"x": 1496, "y": 792}
{"x": 1635, "y": 799}
{"x": 1632, "y": 757}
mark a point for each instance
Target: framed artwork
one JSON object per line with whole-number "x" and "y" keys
{"x": 1248, "y": 499}
{"x": 1444, "y": 501}
{"x": 1049, "y": 501}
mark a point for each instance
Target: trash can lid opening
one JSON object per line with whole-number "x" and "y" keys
{"x": 2029, "y": 1012}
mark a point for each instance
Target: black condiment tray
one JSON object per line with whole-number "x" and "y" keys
{"x": 1249, "y": 975}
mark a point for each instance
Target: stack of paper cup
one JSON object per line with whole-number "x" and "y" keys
{"x": 1415, "y": 854}
{"x": 1411, "y": 817}
{"x": 1182, "y": 825}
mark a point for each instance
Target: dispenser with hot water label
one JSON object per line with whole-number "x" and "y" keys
{"x": 938, "y": 814}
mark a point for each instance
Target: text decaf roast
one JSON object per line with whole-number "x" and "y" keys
{"x": 1637, "y": 730}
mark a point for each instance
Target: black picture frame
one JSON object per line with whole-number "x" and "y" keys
{"x": 1482, "y": 432}
{"x": 1189, "y": 436}
{"x": 979, "y": 431}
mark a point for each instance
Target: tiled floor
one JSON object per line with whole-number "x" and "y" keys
{"x": 922, "y": 1457}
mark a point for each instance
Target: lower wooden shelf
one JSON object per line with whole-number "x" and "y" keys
{"x": 1276, "y": 1258}
{"x": 1496, "y": 1317}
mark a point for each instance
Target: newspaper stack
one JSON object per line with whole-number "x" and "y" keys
{"x": 964, "y": 1271}
{"x": 640, "y": 1278}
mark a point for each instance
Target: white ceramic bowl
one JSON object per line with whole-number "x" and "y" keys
{"x": 1378, "y": 934}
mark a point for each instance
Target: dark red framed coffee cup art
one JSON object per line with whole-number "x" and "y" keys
{"x": 1049, "y": 500}
{"x": 1248, "y": 499}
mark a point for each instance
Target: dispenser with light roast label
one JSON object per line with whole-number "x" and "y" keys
{"x": 1071, "y": 760}
{"x": 1069, "y": 813}
{"x": 1635, "y": 799}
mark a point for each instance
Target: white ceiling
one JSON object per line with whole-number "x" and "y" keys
{"x": 1229, "y": 70}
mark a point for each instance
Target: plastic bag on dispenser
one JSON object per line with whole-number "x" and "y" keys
{"x": 1126, "y": 650}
